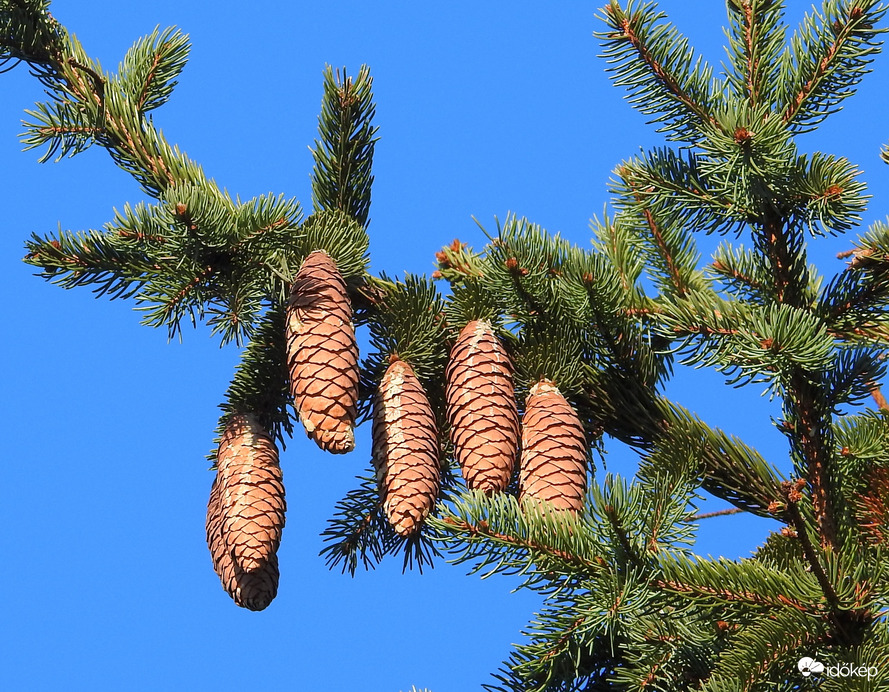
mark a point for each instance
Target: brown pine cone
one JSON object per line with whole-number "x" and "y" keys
{"x": 405, "y": 449}
{"x": 322, "y": 354}
{"x": 553, "y": 460}
{"x": 481, "y": 407}
{"x": 245, "y": 515}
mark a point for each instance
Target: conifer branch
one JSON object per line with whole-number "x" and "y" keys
{"x": 792, "y": 496}
{"x": 776, "y": 246}
{"x": 116, "y": 122}
{"x": 660, "y": 74}
{"x": 658, "y": 237}
{"x": 151, "y": 66}
{"x": 719, "y": 513}
{"x": 358, "y": 531}
{"x": 79, "y": 259}
{"x": 628, "y": 603}
{"x": 844, "y": 621}
{"x": 614, "y": 244}
{"x": 750, "y": 27}
{"x": 482, "y": 529}
{"x": 629, "y": 550}
{"x": 457, "y": 263}
{"x": 677, "y": 186}
{"x": 756, "y": 41}
{"x": 529, "y": 539}
{"x": 342, "y": 177}
{"x": 856, "y": 298}
{"x": 747, "y": 281}
{"x": 755, "y": 650}
{"x": 727, "y": 468}
{"x": 810, "y": 433}
{"x": 726, "y": 595}
{"x": 259, "y": 386}
{"x": 725, "y": 582}
{"x": 848, "y": 299}
{"x": 833, "y": 56}
{"x": 879, "y": 399}
{"x": 172, "y": 301}
{"x": 28, "y": 32}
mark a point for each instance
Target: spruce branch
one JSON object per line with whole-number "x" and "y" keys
{"x": 497, "y": 534}
{"x": 718, "y": 513}
{"x": 764, "y": 650}
{"x": 190, "y": 256}
{"x": 791, "y": 492}
{"x": 457, "y": 263}
{"x": 342, "y": 178}
{"x": 89, "y": 105}
{"x": 112, "y": 264}
{"x": 626, "y": 346}
{"x": 407, "y": 324}
{"x": 743, "y": 273}
{"x": 810, "y": 432}
{"x": 150, "y": 67}
{"x": 584, "y": 663}
{"x": 747, "y": 342}
{"x": 847, "y": 616}
{"x": 358, "y": 530}
{"x": 628, "y": 603}
{"x": 29, "y": 33}
{"x": 64, "y": 128}
{"x": 724, "y": 465}
{"x": 852, "y": 305}
{"x": 872, "y": 506}
{"x": 168, "y": 300}
{"x": 744, "y": 584}
{"x": 615, "y": 241}
{"x": 782, "y": 246}
{"x": 665, "y": 251}
{"x": 259, "y": 386}
{"x": 344, "y": 239}
{"x": 829, "y": 197}
{"x": 677, "y": 185}
{"x": 655, "y": 63}
{"x": 671, "y": 247}
{"x": 828, "y": 57}
{"x": 729, "y": 468}
{"x": 756, "y": 40}
{"x": 629, "y": 551}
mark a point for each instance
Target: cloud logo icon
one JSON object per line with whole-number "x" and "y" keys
{"x": 807, "y": 666}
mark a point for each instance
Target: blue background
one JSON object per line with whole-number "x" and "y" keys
{"x": 483, "y": 108}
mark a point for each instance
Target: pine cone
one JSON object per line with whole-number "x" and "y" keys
{"x": 482, "y": 410}
{"x": 245, "y": 515}
{"x": 322, "y": 354}
{"x": 553, "y": 461}
{"x": 405, "y": 449}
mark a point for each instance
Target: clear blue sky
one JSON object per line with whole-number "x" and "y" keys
{"x": 483, "y": 108}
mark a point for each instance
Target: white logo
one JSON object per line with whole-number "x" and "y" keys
{"x": 807, "y": 666}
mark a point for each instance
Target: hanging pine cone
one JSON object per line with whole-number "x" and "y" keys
{"x": 322, "y": 354}
{"x": 405, "y": 449}
{"x": 553, "y": 460}
{"x": 245, "y": 515}
{"x": 481, "y": 408}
